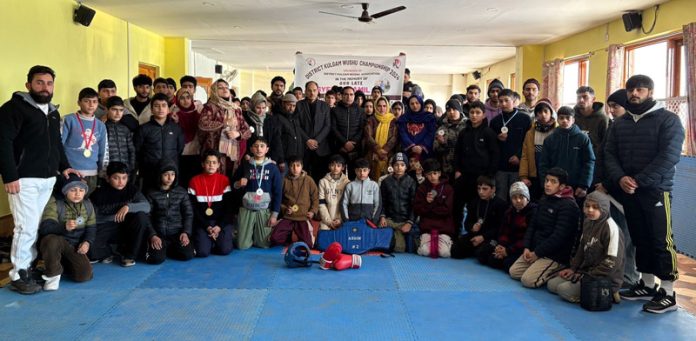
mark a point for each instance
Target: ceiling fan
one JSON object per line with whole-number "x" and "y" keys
{"x": 365, "y": 16}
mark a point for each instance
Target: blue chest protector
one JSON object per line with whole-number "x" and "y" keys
{"x": 356, "y": 237}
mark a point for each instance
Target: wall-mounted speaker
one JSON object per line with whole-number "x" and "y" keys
{"x": 218, "y": 69}
{"x": 632, "y": 20}
{"x": 83, "y": 15}
{"x": 477, "y": 75}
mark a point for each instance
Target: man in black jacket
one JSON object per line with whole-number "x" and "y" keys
{"x": 315, "y": 119}
{"x": 347, "y": 123}
{"x": 292, "y": 134}
{"x": 641, "y": 154}
{"x": 31, "y": 155}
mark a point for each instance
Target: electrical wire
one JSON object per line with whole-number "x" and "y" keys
{"x": 657, "y": 7}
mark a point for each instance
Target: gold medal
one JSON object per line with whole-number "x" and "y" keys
{"x": 209, "y": 211}
{"x": 295, "y": 208}
{"x": 87, "y": 153}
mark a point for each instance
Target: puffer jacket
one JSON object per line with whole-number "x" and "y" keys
{"x": 571, "y": 150}
{"x": 554, "y": 228}
{"x": 477, "y": 150}
{"x": 446, "y": 152}
{"x": 646, "y": 148}
{"x": 595, "y": 125}
{"x": 120, "y": 144}
{"x": 347, "y": 124}
{"x": 154, "y": 142}
{"x": 397, "y": 198}
{"x": 171, "y": 210}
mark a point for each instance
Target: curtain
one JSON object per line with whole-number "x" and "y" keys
{"x": 690, "y": 47}
{"x": 615, "y": 66}
{"x": 552, "y": 81}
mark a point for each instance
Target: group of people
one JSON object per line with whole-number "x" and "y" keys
{"x": 547, "y": 195}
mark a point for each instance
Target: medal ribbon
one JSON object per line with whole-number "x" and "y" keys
{"x": 508, "y": 121}
{"x": 208, "y": 198}
{"x": 259, "y": 179}
{"x": 88, "y": 142}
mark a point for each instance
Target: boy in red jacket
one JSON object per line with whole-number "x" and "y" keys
{"x": 433, "y": 203}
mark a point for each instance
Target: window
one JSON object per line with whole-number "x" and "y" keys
{"x": 575, "y": 75}
{"x": 512, "y": 81}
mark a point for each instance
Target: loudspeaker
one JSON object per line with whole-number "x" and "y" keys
{"x": 218, "y": 69}
{"x": 477, "y": 75}
{"x": 632, "y": 21}
{"x": 83, "y": 15}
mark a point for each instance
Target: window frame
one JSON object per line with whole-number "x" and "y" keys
{"x": 674, "y": 56}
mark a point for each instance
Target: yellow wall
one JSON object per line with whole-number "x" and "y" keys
{"x": 671, "y": 17}
{"x": 176, "y": 57}
{"x": 252, "y": 80}
{"x": 500, "y": 70}
{"x": 42, "y": 32}
{"x": 529, "y": 64}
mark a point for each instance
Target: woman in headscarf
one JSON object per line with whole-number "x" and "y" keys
{"x": 429, "y": 106}
{"x": 381, "y": 138}
{"x": 186, "y": 113}
{"x": 417, "y": 130}
{"x": 222, "y": 127}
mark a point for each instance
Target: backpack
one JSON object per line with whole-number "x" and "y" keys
{"x": 595, "y": 293}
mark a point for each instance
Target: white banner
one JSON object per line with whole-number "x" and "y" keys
{"x": 360, "y": 72}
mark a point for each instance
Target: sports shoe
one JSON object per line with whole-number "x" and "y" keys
{"x": 639, "y": 291}
{"x": 25, "y": 284}
{"x": 108, "y": 260}
{"x": 661, "y": 302}
{"x": 126, "y": 262}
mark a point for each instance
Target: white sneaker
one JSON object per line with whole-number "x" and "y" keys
{"x": 52, "y": 283}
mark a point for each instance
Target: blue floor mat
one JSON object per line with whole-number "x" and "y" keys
{"x": 252, "y": 295}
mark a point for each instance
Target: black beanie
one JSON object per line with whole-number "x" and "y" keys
{"x": 619, "y": 97}
{"x": 495, "y": 84}
{"x": 453, "y": 103}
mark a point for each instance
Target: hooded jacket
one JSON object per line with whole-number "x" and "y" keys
{"x": 517, "y": 124}
{"x": 300, "y": 191}
{"x": 171, "y": 211}
{"x": 436, "y": 215}
{"x": 316, "y": 123}
{"x": 271, "y": 183}
{"x": 601, "y": 250}
{"x": 446, "y": 152}
{"x": 30, "y": 145}
{"x": 330, "y": 195}
{"x": 595, "y": 125}
{"x": 417, "y": 128}
{"x": 361, "y": 199}
{"x": 477, "y": 150}
{"x": 154, "y": 142}
{"x": 397, "y": 198}
{"x": 530, "y": 151}
{"x": 571, "y": 150}
{"x": 554, "y": 228}
{"x": 646, "y": 147}
{"x": 144, "y": 115}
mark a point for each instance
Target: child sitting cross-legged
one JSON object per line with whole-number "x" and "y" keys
{"x": 600, "y": 253}
{"x": 68, "y": 228}
{"x": 433, "y": 204}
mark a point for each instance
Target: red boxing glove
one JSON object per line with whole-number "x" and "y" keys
{"x": 348, "y": 262}
{"x": 332, "y": 253}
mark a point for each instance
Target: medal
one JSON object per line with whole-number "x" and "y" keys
{"x": 259, "y": 192}
{"x": 390, "y": 169}
{"x": 80, "y": 220}
{"x": 87, "y": 153}
{"x": 88, "y": 140}
{"x": 433, "y": 193}
{"x": 441, "y": 132}
{"x": 252, "y": 130}
{"x": 480, "y": 221}
{"x": 209, "y": 211}
{"x": 295, "y": 208}
{"x": 504, "y": 130}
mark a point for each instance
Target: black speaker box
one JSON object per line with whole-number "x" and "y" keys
{"x": 632, "y": 21}
{"x": 218, "y": 69}
{"x": 83, "y": 15}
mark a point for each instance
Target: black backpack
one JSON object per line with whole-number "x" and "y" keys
{"x": 596, "y": 293}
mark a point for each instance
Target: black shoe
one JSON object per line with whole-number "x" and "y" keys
{"x": 661, "y": 302}
{"x": 25, "y": 284}
{"x": 639, "y": 292}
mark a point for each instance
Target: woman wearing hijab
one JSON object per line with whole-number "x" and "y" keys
{"x": 186, "y": 113}
{"x": 417, "y": 129}
{"x": 222, "y": 127}
{"x": 381, "y": 138}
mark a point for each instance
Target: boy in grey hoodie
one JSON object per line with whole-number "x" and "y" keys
{"x": 361, "y": 198}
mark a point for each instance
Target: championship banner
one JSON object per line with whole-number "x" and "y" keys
{"x": 360, "y": 72}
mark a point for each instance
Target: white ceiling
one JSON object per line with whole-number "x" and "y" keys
{"x": 437, "y": 36}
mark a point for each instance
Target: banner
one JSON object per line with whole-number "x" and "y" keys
{"x": 360, "y": 72}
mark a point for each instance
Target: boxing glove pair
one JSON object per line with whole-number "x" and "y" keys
{"x": 333, "y": 259}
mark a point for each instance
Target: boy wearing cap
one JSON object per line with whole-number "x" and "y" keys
{"x": 510, "y": 239}
{"x": 542, "y": 127}
{"x": 68, "y": 229}
{"x": 84, "y": 138}
{"x": 550, "y": 237}
{"x": 172, "y": 219}
{"x": 398, "y": 191}
{"x": 433, "y": 203}
{"x": 446, "y": 137}
{"x": 361, "y": 199}
{"x": 262, "y": 184}
{"x": 299, "y": 206}
{"x": 482, "y": 222}
{"x": 331, "y": 189}
{"x": 570, "y": 149}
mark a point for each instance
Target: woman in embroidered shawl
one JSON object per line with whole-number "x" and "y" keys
{"x": 381, "y": 137}
{"x": 417, "y": 129}
{"x": 222, "y": 127}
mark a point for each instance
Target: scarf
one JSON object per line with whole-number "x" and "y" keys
{"x": 545, "y": 128}
{"x": 382, "y": 130}
{"x": 227, "y": 146}
{"x": 641, "y": 108}
{"x": 257, "y": 120}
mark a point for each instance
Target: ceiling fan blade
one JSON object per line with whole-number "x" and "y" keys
{"x": 339, "y": 15}
{"x": 389, "y": 11}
